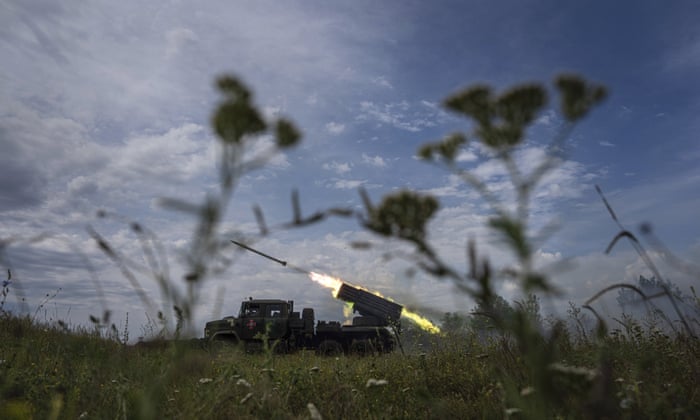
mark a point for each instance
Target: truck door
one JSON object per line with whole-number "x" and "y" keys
{"x": 276, "y": 316}
{"x": 252, "y": 320}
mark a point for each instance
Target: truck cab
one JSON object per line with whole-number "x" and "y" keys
{"x": 257, "y": 318}
{"x": 264, "y": 316}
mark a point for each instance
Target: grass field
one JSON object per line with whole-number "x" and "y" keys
{"x": 47, "y": 371}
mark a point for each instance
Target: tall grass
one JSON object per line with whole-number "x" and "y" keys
{"x": 51, "y": 372}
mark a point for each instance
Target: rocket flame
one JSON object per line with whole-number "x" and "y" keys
{"x": 327, "y": 281}
{"x": 420, "y": 321}
{"x": 348, "y": 311}
{"x": 334, "y": 284}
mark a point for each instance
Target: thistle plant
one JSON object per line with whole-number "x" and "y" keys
{"x": 239, "y": 127}
{"x": 500, "y": 124}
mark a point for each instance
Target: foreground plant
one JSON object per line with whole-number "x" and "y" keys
{"x": 500, "y": 124}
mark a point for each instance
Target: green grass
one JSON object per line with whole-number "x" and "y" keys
{"x": 48, "y": 372}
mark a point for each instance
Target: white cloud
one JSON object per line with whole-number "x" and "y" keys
{"x": 177, "y": 155}
{"x": 377, "y": 161}
{"x": 454, "y": 187}
{"x": 563, "y": 181}
{"x": 312, "y": 99}
{"x": 347, "y": 184}
{"x": 335, "y": 128}
{"x": 382, "y": 81}
{"x": 271, "y": 112}
{"x": 177, "y": 39}
{"x": 82, "y": 186}
{"x": 547, "y": 119}
{"x": 401, "y": 115}
{"x": 466, "y": 155}
{"x": 606, "y": 144}
{"x": 337, "y": 167}
{"x": 265, "y": 146}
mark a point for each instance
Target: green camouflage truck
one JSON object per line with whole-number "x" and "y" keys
{"x": 275, "y": 322}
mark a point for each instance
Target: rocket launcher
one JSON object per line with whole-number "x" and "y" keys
{"x": 364, "y": 302}
{"x": 368, "y": 304}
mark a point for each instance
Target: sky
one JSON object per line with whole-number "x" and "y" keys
{"x": 106, "y": 106}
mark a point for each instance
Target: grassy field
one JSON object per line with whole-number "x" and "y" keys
{"x": 49, "y": 372}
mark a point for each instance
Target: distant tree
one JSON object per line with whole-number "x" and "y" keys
{"x": 453, "y": 323}
{"x": 499, "y": 314}
{"x": 651, "y": 287}
{"x": 656, "y": 292}
{"x": 530, "y": 307}
{"x": 578, "y": 321}
{"x": 492, "y": 316}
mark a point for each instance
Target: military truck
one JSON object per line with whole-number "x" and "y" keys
{"x": 285, "y": 330}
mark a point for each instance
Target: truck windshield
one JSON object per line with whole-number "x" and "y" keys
{"x": 251, "y": 309}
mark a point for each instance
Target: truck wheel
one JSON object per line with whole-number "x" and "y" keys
{"x": 362, "y": 347}
{"x": 329, "y": 348}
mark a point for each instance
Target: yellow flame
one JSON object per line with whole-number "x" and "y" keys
{"x": 334, "y": 284}
{"x": 420, "y": 321}
{"x": 348, "y": 311}
{"x": 327, "y": 281}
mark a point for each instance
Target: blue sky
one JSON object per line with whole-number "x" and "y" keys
{"x": 107, "y": 105}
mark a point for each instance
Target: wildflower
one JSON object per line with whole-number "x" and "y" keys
{"x": 313, "y": 412}
{"x": 511, "y": 411}
{"x": 314, "y": 369}
{"x": 205, "y": 380}
{"x": 246, "y": 398}
{"x": 376, "y": 382}
{"x": 83, "y": 415}
{"x": 243, "y": 382}
{"x": 528, "y": 390}
{"x": 589, "y": 374}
